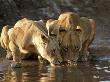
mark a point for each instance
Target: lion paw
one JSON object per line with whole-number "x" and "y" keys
{"x": 10, "y": 57}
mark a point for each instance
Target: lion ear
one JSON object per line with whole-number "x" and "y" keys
{"x": 78, "y": 27}
{"x": 55, "y": 31}
{"x": 79, "y": 30}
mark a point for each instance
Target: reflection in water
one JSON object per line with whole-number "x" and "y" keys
{"x": 98, "y": 72}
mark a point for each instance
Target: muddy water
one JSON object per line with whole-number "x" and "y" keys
{"x": 33, "y": 72}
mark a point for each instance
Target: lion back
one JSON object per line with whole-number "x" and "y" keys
{"x": 93, "y": 33}
{"x": 69, "y": 20}
{"x": 16, "y": 36}
{"x": 85, "y": 28}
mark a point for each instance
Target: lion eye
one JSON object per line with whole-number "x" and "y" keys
{"x": 43, "y": 37}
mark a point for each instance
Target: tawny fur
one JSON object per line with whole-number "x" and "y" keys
{"x": 69, "y": 20}
{"x": 68, "y": 39}
{"x": 32, "y": 37}
{"x": 4, "y": 37}
{"x": 86, "y": 31}
{"x": 52, "y": 27}
{"x": 73, "y": 30}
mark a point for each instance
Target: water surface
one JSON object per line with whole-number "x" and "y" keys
{"x": 34, "y": 72}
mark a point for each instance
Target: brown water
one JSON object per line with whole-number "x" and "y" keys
{"x": 33, "y": 72}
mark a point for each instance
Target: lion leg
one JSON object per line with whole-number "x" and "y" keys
{"x": 16, "y": 60}
{"x": 9, "y": 55}
{"x": 16, "y": 55}
{"x": 83, "y": 54}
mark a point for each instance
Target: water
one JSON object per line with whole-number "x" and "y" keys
{"x": 34, "y": 72}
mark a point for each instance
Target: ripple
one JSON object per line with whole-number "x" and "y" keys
{"x": 105, "y": 67}
{"x": 98, "y": 67}
{"x": 107, "y": 71}
{"x": 1, "y": 73}
{"x": 95, "y": 76}
{"x": 104, "y": 81}
{"x": 105, "y": 58}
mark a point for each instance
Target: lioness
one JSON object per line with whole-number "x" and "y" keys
{"x": 84, "y": 27}
{"x": 86, "y": 31}
{"x": 68, "y": 39}
{"x": 73, "y": 30}
{"x": 32, "y": 37}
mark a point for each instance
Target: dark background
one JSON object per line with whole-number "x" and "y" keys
{"x": 13, "y": 10}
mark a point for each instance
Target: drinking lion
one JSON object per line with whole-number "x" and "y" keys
{"x": 32, "y": 37}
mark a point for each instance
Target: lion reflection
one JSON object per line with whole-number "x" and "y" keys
{"x": 79, "y": 73}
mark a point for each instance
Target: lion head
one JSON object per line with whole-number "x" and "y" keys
{"x": 70, "y": 46}
{"x": 35, "y": 38}
{"x": 49, "y": 45}
{"x": 65, "y": 28}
